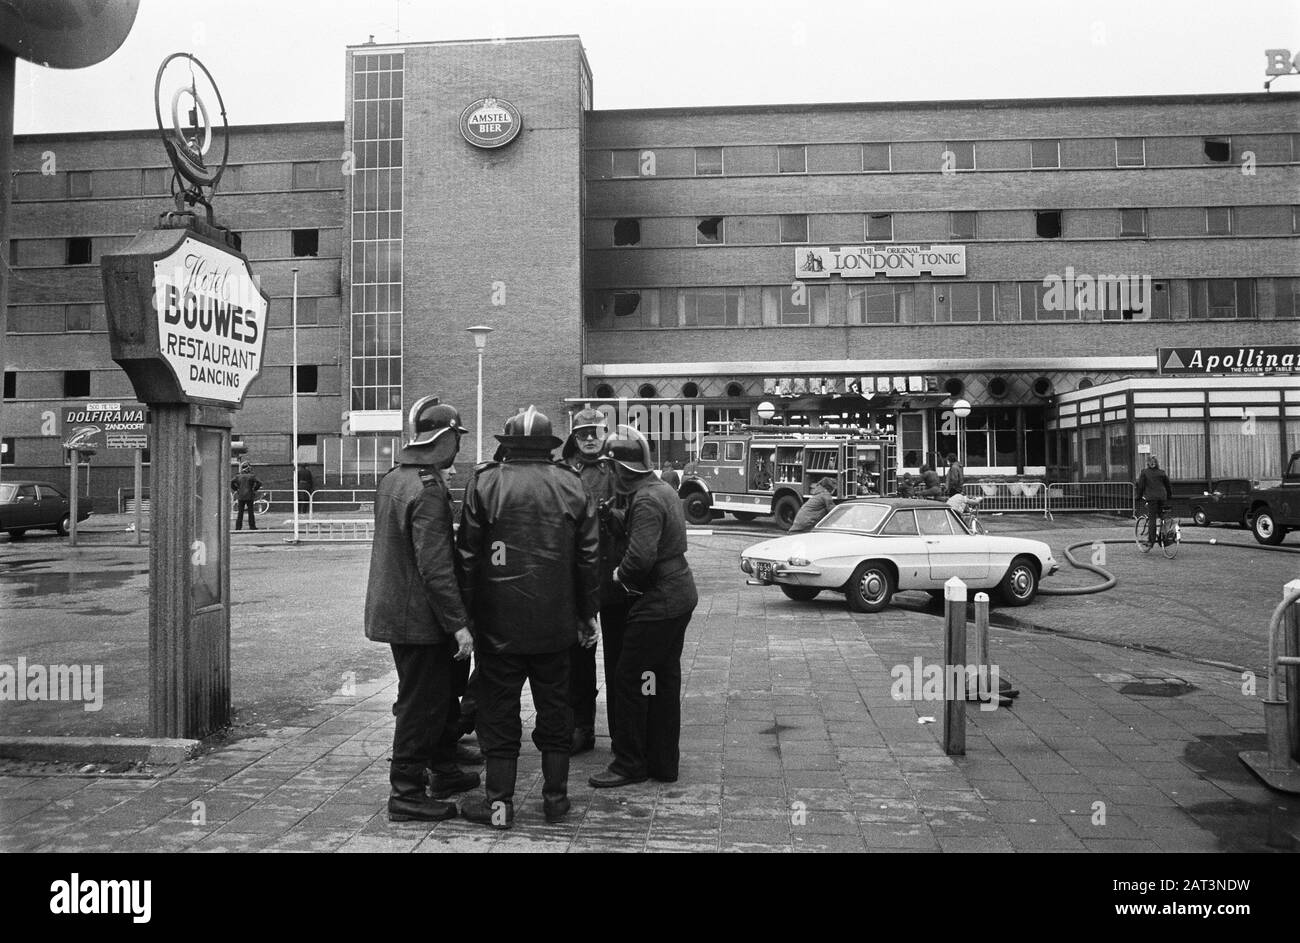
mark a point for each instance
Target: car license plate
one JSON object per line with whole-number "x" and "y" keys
{"x": 763, "y": 570}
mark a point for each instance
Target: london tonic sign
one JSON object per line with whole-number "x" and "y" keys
{"x": 870, "y": 261}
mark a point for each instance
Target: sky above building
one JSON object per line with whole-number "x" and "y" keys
{"x": 283, "y": 60}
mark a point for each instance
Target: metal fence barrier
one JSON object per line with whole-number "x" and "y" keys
{"x": 341, "y": 499}
{"x": 334, "y": 529}
{"x": 1117, "y": 496}
{"x": 1008, "y": 496}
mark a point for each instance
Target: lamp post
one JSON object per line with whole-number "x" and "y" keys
{"x": 480, "y": 333}
{"x": 293, "y": 489}
{"x": 961, "y": 409}
{"x": 765, "y": 411}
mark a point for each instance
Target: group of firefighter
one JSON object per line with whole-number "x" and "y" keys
{"x": 549, "y": 556}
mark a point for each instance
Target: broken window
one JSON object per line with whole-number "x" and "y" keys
{"x": 709, "y": 231}
{"x": 76, "y": 383}
{"x": 1048, "y": 224}
{"x": 627, "y": 232}
{"x": 1218, "y": 149}
{"x": 626, "y": 303}
{"x": 307, "y": 380}
{"x": 79, "y": 251}
{"x": 306, "y": 242}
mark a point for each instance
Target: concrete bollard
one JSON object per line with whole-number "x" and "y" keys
{"x": 954, "y": 659}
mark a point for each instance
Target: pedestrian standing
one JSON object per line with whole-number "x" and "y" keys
{"x": 584, "y": 452}
{"x": 669, "y": 474}
{"x": 647, "y": 680}
{"x": 413, "y": 603}
{"x": 306, "y": 485}
{"x": 956, "y": 476}
{"x": 529, "y": 544}
{"x": 245, "y": 486}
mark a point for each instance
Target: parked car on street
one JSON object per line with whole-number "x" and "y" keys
{"x": 869, "y": 548}
{"x": 1275, "y": 511}
{"x": 37, "y": 505}
{"x": 1213, "y": 500}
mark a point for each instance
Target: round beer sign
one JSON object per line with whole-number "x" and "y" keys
{"x": 490, "y": 122}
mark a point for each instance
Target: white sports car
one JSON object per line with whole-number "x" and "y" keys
{"x": 868, "y": 548}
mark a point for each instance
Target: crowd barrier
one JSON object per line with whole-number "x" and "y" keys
{"x": 1047, "y": 498}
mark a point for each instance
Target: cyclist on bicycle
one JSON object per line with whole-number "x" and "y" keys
{"x": 1153, "y": 486}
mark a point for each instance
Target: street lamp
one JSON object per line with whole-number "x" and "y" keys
{"x": 961, "y": 409}
{"x": 480, "y": 333}
{"x": 293, "y": 488}
{"x": 765, "y": 411}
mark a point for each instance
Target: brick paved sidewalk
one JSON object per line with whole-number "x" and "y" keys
{"x": 791, "y": 741}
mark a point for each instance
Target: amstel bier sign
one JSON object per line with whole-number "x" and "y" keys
{"x": 490, "y": 123}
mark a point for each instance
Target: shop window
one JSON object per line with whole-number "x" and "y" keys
{"x": 1218, "y": 220}
{"x": 794, "y": 228}
{"x": 876, "y": 158}
{"x": 961, "y": 225}
{"x": 791, "y": 159}
{"x": 627, "y": 232}
{"x": 963, "y": 155}
{"x": 1047, "y": 223}
{"x": 1133, "y": 222}
{"x": 1044, "y": 154}
{"x": 11, "y": 384}
{"x": 307, "y": 379}
{"x": 708, "y": 161}
{"x": 1130, "y": 152}
{"x": 78, "y": 250}
{"x": 1217, "y": 149}
{"x": 625, "y": 163}
{"x": 709, "y": 231}
{"x": 880, "y": 226}
{"x": 76, "y": 383}
{"x": 306, "y": 242}
{"x": 8, "y": 453}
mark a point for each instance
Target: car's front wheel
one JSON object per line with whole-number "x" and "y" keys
{"x": 871, "y": 587}
{"x": 1266, "y": 528}
{"x": 1200, "y": 517}
{"x": 64, "y": 523}
{"x": 696, "y": 508}
{"x": 800, "y": 593}
{"x": 1020, "y": 584}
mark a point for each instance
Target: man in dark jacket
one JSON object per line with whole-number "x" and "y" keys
{"x": 245, "y": 486}
{"x": 1153, "y": 485}
{"x": 529, "y": 545}
{"x": 647, "y": 681}
{"x": 817, "y": 506}
{"x": 956, "y": 478}
{"x": 930, "y": 486}
{"x": 583, "y": 451}
{"x": 413, "y": 603}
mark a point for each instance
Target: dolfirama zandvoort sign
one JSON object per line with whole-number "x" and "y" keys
{"x": 1235, "y": 360}
{"x": 211, "y": 321}
{"x": 870, "y": 261}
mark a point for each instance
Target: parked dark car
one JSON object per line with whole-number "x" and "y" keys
{"x": 37, "y": 505}
{"x": 1213, "y": 500}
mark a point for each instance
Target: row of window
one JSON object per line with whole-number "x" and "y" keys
{"x": 938, "y": 302}
{"x": 80, "y": 250}
{"x": 793, "y": 228}
{"x": 157, "y": 181}
{"x": 880, "y": 157}
{"x": 76, "y": 383}
{"x": 82, "y": 317}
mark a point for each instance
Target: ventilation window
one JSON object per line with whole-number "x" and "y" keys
{"x": 709, "y": 231}
{"x": 954, "y": 386}
{"x": 626, "y": 303}
{"x": 690, "y": 390}
{"x": 1084, "y": 384}
{"x": 306, "y": 242}
{"x": 1042, "y": 387}
{"x": 627, "y": 232}
{"x": 604, "y": 391}
{"x": 647, "y": 391}
{"x": 998, "y": 387}
{"x": 735, "y": 389}
{"x": 1218, "y": 150}
{"x": 76, "y": 383}
{"x": 307, "y": 379}
{"x": 79, "y": 250}
{"x": 1048, "y": 224}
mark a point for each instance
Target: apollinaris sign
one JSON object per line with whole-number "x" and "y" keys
{"x": 870, "y": 261}
{"x": 1272, "y": 358}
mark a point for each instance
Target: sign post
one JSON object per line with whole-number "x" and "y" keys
{"x": 94, "y": 426}
{"x": 187, "y": 322}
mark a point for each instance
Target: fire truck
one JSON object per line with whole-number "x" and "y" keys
{"x": 754, "y": 470}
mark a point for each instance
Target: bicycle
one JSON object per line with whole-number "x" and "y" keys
{"x": 1168, "y": 533}
{"x": 261, "y": 504}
